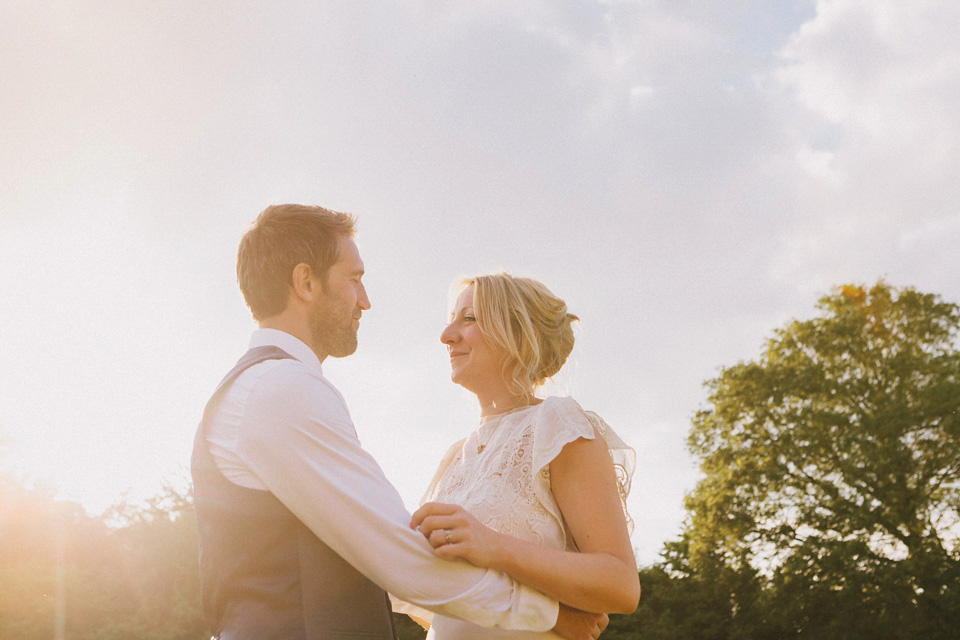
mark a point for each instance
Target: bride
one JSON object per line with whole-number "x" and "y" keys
{"x": 538, "y": 489}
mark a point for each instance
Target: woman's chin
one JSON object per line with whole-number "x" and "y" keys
{"x": 456, "y": 377}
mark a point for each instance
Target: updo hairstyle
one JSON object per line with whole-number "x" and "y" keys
{"x": 531, "y": 324}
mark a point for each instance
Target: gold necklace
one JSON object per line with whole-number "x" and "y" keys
{"x": 485, "y": 419}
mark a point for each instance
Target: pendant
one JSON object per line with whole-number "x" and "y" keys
{"x": 480, "y": 448}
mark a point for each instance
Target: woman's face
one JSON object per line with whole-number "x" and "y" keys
{"x": 474, "y": 362}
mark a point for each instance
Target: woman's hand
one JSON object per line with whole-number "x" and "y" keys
{"x": 454, "y": 533}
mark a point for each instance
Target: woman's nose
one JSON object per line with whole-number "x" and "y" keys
{"x": 448, "y": 335}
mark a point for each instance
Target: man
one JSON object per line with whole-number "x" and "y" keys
{"x": 300, "y": 532}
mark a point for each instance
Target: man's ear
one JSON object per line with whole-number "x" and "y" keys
{"x": 303, "y": 282}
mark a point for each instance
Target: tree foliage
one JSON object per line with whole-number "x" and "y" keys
{"x": 712, "y": 602}
{"x": 128, "y": 573}
{"x": 832, "y": 469}
{"x": 131, "y": 573}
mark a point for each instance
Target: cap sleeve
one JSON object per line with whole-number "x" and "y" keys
{"x": 561, "y": 421}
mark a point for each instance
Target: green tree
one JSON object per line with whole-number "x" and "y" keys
{"x": 712, "y": 602}
{"x": 131, "y": 573}
{"x": 832, "y": 469}
{"x": 407, "y": 629}
{"x": 154, "y": 580}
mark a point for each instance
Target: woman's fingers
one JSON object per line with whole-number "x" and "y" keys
{"x": 431, "y": 509}
{"x": 441, "y": 537}
{"x": 435, "y": 516}
{"x": 441, "y": 530}
{"x": 453, "y": 532}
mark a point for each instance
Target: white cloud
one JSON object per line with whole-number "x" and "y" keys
{"x": 932, "y": 233}
{"x": 882, "y": 69}
{"x": 820, "y": 164}
{"x": 656, "y": 162}
{"x": 877, "y": 137}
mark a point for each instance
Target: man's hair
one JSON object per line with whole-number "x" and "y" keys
{"x": 525, "y": 319}
{"x": 283, "y": 236}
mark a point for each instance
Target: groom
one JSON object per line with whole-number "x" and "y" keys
{"x": 300, "y": 531}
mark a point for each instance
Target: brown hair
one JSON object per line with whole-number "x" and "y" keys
{"x": 283, "y": 236}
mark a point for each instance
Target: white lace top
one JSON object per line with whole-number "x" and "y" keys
{"x": 501, "y": 474}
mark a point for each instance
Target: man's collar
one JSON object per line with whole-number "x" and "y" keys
{"x": 292, "y": 345}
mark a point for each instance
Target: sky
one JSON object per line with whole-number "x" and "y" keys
{"x": 687, "y": 175}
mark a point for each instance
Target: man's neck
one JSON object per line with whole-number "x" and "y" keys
{"x": 299, "y": 330}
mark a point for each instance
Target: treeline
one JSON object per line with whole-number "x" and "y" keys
{"x": 829, "y": 505}
{"x": 830, "y": 501}
{"x": 129, "y": 573}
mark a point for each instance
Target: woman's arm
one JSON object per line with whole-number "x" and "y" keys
{"x": 602, "y": 577}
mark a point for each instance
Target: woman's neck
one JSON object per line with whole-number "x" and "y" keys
{"x": 491, "y": 405}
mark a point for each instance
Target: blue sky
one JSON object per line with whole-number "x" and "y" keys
{"x": 688, "y": 175}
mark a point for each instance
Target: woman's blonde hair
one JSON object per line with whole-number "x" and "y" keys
{"x": 528, "y": 321}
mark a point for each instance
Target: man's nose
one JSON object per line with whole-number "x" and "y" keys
{"x": 362, "y": 300}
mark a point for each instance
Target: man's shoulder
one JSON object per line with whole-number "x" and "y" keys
{"x": 289, "y": 394}
{"x": 286, "y": 376}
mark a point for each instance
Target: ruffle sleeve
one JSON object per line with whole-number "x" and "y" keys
{"x": 560, "y": 421}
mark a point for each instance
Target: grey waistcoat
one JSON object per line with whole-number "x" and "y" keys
{"x": 263, "y": 574}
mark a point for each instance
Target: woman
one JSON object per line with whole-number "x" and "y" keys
{"x": 538, "y": 490}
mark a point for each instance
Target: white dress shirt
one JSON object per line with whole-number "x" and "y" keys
{"x": 282, "y": 427}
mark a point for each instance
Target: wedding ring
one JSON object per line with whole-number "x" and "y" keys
{"x": 447, "y": 536}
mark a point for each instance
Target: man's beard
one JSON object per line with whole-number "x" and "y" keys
{"x": 333, "y": 332}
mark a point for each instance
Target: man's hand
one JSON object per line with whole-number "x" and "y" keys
{"x": 574, "y": 624}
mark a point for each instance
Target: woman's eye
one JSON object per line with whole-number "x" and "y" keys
{"x": 469, "y": 318}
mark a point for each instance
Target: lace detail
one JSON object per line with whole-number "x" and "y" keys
{"x": 507, "y": 486}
